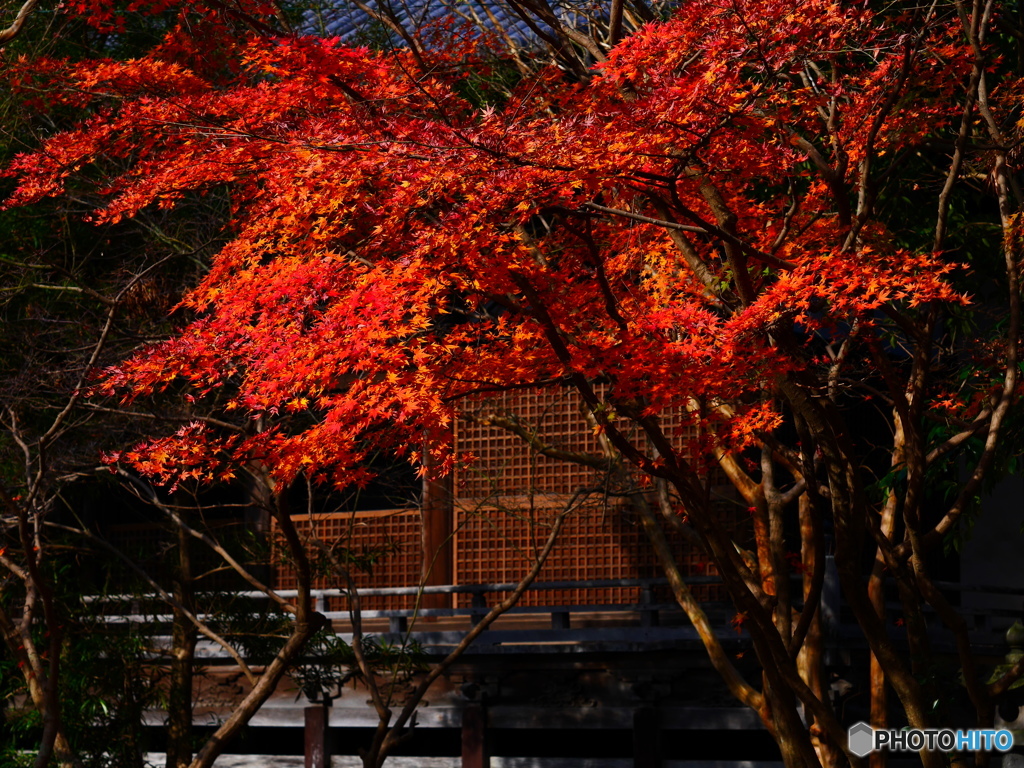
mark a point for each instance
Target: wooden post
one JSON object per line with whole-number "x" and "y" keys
{"x": 316, "y": 752}
{"x": 474, "y": 737}
{"x": 648, "y": 618}
{"x": 436, "y": 535}
{"x": 646, "y": 738}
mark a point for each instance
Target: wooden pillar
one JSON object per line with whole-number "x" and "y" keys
{"x": 646, "y": 738}
{"x": 474, "y": 737}
{"x": 436, "y": 536}
{"x": 317, "y": 755}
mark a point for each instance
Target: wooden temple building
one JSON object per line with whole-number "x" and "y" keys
{"x": 595, "y": 666}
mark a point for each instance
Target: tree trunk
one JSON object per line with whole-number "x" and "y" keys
{"x": 183, "y": 647}
{"x": 307, "y": 622}
{"x": 809, "y": 659}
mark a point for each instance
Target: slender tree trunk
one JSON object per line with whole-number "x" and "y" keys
{"x": 791, "y": 735}
{"x": 55, "y": 749}
{"x": 810, "y": 658}
{"x": 183, "y": 648}
{"x": 307, "y": 622}
{"x": 876, "y": 593}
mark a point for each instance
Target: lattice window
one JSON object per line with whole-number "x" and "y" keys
{"x": 503, "y": 508}
{"x": 499, "y": 545}
{"x": 506, "y": 465}
{"x": 598, "y": 541}
{"x": 508, "y": 480}
{"x": 391, "y": 537}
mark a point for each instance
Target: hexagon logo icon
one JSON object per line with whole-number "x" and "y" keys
{"x": 861, "y": 738}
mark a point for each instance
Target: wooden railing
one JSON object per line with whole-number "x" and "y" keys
{"x": 633, "y": 625}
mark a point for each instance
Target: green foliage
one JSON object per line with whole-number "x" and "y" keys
{"x": 491, "y": 86}
{"x": 256, "y": 627}
{"x": 329, "y": 663}
{"x": 374, "y": 35}
{"x": 20, "y": 724}
{"x": 259, "y": 629}
{"x": 107, "y": 682}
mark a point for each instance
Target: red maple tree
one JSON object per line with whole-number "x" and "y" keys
{"x": 705, "y": 221}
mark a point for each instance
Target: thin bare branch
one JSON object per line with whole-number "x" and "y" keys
{"x": 164, "y": 595}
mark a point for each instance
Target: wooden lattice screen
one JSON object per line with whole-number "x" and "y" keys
{"x": 383, "y": 547}
{"x": 506, "y": 500}
{"x": 502, "y": 508}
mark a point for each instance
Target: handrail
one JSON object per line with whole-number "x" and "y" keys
{"x": 449, "y": 589}
{"x": 987, "y": 622}
{"x": 473, "y": 589}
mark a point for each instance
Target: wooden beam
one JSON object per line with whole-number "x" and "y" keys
{"x": 646, "y": 738}
{"x": 474, "y": 737}
{"x": 317, "y": 755}
{"x": 436, "y": 535}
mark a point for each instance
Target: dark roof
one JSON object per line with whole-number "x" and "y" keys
{"x": 350, "y": 23}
